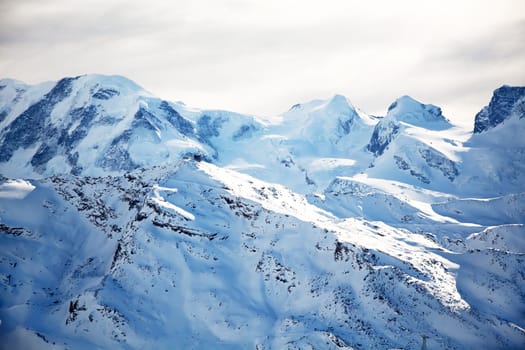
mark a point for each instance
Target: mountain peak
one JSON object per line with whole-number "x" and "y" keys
{"x": 339, "y": 100}
{"x": 506, "y": 100}
{"x": 324, "y": 116}
{"x": 407, "y": 109}
{"x": 117, "y": 83}
{"x": 337, "y": 104}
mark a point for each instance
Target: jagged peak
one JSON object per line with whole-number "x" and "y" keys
{"x": 501, "y": 107}
{"x": 508, "y": 88}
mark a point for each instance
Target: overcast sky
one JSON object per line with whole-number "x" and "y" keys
{"x": 262, "y": 56}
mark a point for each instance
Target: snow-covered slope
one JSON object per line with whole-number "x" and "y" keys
{"x": 494, "y": 159}
{"x": 200, "y": 256}
{"x": 127, "y": 221}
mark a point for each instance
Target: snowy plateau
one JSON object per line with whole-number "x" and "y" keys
{"x": 130, "y": 222}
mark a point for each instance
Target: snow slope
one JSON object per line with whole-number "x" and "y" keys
{"x": 201, "y": 256}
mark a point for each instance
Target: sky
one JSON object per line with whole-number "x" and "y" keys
{"x": 261, "y": 57}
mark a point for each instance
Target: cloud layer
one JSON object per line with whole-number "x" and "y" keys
{"x": 263, "y": 56}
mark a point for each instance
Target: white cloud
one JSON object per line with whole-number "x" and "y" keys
{"x": 263, "y": 56}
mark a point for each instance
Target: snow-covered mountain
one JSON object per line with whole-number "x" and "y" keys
{"x": 127, "y": 221}
{"x": 89, "y": 125}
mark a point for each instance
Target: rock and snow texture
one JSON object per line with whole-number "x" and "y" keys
{"x": 127, "y": 221}
{"x": 506, "y": 101}
{"x": 89, "y": 125}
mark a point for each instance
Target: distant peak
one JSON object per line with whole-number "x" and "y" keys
{"x": 502, "y": 105}
{"x": 339, "y": 100}
{"x": 117, "y": 82}
{"x": 339, "y": 104}
{"x": 506, "y": 87}
{"x": 336, "y": 104}
{"x": 93, "y": 82}
{"x": 409, "y": 110}
{"x": 405, "y": 102}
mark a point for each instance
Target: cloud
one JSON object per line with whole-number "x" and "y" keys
{"x": 502, "y": 44}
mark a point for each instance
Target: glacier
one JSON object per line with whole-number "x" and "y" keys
{"x": 128, "y": 221}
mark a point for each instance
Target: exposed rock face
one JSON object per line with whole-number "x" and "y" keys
{"x": 384, "y": 132}
{"x": 505, "y": 101}
{"x": 33, "y": 123}
{"x": 436, "y": 160}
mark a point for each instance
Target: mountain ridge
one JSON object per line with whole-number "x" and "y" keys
{"x": 128, "y": 221}
{"x": 144, "y": 130}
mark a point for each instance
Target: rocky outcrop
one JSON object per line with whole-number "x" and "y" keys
{"x": 505, "y": 101}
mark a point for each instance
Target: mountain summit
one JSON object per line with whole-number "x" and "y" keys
{"x": 406, "y": 109}
{"x": 506, "y": 101}
{"x": 128, "y": 221}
